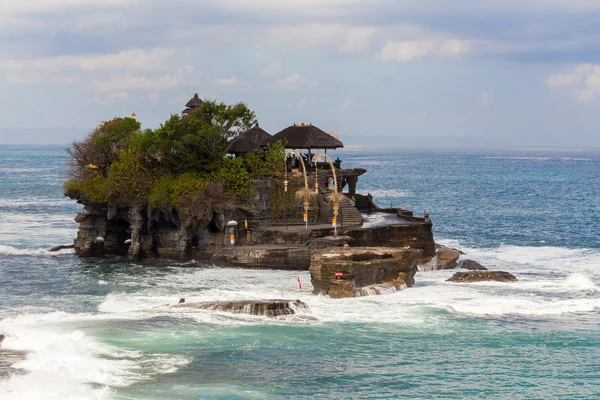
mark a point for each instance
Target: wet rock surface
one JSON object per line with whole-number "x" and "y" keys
{"x": 62, "y": 247}
{"x": 8, "y": 358}
{"x": 482, "y": 276}
{"x": 268, "y": 308}
{"x": 471, "y": 265}
{"x": 445, "y": 258}
{"x": 362, "y": 271}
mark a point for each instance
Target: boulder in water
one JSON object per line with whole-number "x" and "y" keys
{"x": 471, "y": 265}
{"x": 269, "y": 308}
{"x": 482, "y": 276}
{"x": 446, "y": 258}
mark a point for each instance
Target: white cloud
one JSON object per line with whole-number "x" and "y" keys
{"x": 128, "y": 83}
{"x": 583, "y": 80}
{"x": 334, "y": 7}
{"x": 101, "y": 22}
{"x": 294, "y": 82}
{"x": 232, "y": 84}
{"x": 273, "y": 69}
{"x": 20, "y": 7}
{"x": 314, "y": 7}
{"x": 410, "y": 50}
{"x": 356, "y": 40}
{"x": 58, "y": 69}
{"x": 24, "y": 12}
{"x": 342, "y": 38}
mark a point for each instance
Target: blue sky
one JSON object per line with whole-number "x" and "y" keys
{"x": 499, "y": 73}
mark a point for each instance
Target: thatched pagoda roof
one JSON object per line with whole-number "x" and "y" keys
{"x": 252, "y": 139}
{"x": 188, "y": 111}
{"x": 194, "y": 102}
{"x": 307, "y": 137}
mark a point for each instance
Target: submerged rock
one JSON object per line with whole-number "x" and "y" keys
{"x": 363, "y": 271}
{"x": 471, "y": 265}
{"x": 269, "y": 308}
{"x": 482, "y": 276}
{"x": 62, "y": 247}
{"x": 8, "y": 358}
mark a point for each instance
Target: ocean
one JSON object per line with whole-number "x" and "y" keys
{"x": 103, "y": 328}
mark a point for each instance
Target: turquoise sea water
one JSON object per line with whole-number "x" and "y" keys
{"x": 102, "y": 328}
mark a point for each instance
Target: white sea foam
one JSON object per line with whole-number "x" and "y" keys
{"x": 35, "y": 202}
{"x": 13, "y": 251}
{"x": 546, "y": 276}
{"x": 580, "y": 282}
{"x": 522, "y": 306}
{"x": 62, "y": 361}
{"x": 535, "y": 259}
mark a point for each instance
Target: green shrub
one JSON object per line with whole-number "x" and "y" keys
{"x": 266, "y": 161}
{"x": 234, "y": 177}
{"x": 93, "y": 186}
{"x": 175, "y": 190}
{"x": 129, "y": 179}
{"x": 181, "y": 164}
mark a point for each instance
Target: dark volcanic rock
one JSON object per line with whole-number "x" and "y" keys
{"x": 471, "y": 265}
{"x": 62, "y": 247}
{"x": 357, "y": 271}
{"x": 269, "y": 308}
{"x": 481, "y": 276}
{"x": 260, "y": 239}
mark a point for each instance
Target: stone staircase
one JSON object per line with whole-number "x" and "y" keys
{"x": 348, "y": 213}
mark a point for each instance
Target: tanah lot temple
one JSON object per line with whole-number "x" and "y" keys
{"x": 330, "y": 206}
{"x": 311, "y": 215}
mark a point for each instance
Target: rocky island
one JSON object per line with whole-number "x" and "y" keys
{"x": 211, "y": 184}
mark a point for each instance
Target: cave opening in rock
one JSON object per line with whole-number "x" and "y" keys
{"x": 213, "y": 226}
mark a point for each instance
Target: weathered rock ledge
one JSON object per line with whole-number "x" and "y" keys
{"x": 482, "y": 276}
{"x": 362, "y": 271}
{"x": 261, "y": 237}
{"x": 268, "y": 308}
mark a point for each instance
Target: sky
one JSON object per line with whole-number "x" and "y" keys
{"x": 428, "y": 72}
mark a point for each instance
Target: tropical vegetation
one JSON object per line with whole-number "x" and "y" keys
{"x": 182, "y": 164}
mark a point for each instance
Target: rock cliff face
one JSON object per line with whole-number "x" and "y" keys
{"x": 142, "y": 232}
{"x": 272, "y": 238}
{"x": 417, "y": 236}
{"x": 364, "y": 271}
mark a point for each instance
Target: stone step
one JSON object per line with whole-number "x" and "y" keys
{"x": 348, "y": 214}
